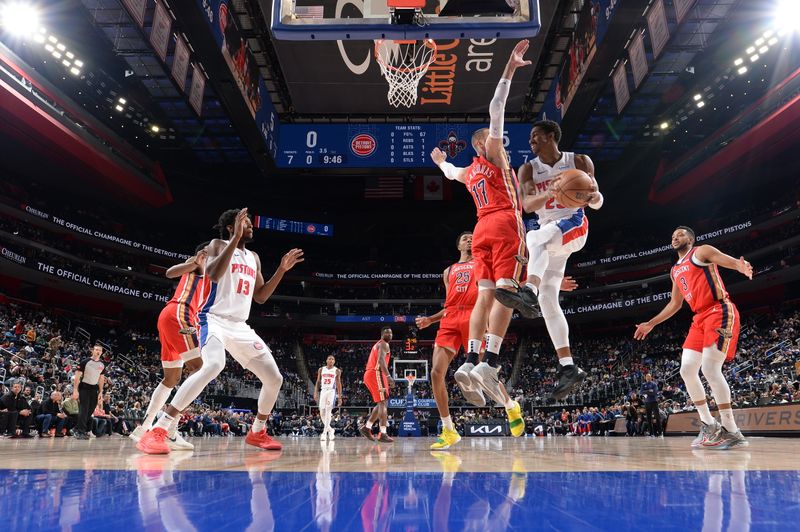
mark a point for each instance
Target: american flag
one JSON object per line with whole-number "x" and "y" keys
{"x": 383, "y": 188}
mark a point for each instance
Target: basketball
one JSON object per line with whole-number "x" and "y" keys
{"x": 574, "y": 188}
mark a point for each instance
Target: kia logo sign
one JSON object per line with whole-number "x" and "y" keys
{"x": 485, "y": 429}
{"x": 363, "y": 145}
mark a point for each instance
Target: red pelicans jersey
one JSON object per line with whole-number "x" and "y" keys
{"x": 189, "y": 296}
{"x": 699, "y": 283}
{"x": 492, "y": 189}
{"x": 372, "y": 363}
{"x": 462, "y": 287}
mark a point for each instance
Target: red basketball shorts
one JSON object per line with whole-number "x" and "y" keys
{"x": 178, "y": 336}
{"x": 454, "y": 330}
{"x": 716, "y": 326}
{"x": 498, "y": 239}
{"x": 371, "y": 379}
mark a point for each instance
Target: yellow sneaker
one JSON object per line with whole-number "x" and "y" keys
{"x": 515, "y": 421}
{"x": 445, "y": 440}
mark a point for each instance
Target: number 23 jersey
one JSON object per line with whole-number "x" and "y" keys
{"x": 232, "y": 295}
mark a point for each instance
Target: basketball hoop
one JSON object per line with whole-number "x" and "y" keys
{"x": 411, "y": 376}
{"x": 403, "y": 63}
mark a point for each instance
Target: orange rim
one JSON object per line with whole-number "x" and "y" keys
{"x": 430, "y": 43}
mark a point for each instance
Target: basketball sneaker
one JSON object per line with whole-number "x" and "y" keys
{"x": 706, "y": 431}
{"x": 515, "y": 422}
{"x": 262, "y": 441}
{"x": 723, "y": 440}
{"x": 486, "y": 376}
{"x": 445, "y": 440}
{"x": 471, "y": 391}
{"x": 137, "y": 433}
{"x": 568, "y": 377}
{"x": 331, "y": 435}
{"x": 179, "y": 444}
{"x": 366, "y": 432}
{"x": 523, "y": 301}
{"x": 153, "y": 442}
{"x": 385, "y": 438}
{"x": 323, "y": 436}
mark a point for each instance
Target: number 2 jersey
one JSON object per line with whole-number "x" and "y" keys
{"x": 700, "y": 283}
{"x": 232, "y": 295}
{"x": 491, "y": 188}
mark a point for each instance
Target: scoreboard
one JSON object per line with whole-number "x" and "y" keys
{"x": 292, "y": 226}
{"x": 387, "y": 145}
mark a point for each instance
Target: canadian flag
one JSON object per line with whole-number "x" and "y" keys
{"x": 431, "y": 187}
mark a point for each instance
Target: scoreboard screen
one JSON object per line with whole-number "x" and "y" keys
{"x": 387, "y": 145}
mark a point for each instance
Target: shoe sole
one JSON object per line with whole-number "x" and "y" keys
{"x": 561, "y": 395}
{"x": 464, "y": 380}
{"x": 474, "y": 398}
{"x": 147, "y": 450}
{"x": 479, "y": 380}
{"x": 507, "y": 299}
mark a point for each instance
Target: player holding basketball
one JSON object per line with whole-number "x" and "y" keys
{"x": 561, "y": 232}
{"x": 712, "y": 337}
{"x": 498, "y": 239}
{"x": 378, "y": 380}
{"x": 177, "y": 332}
{"x": 236, "y": 280}
{"x": 327, "y": 394}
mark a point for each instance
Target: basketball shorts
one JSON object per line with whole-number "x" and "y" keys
{"x": 237, "y": 337}
{"x": 570, "y": 237}
{"x": 454, "y": 330}
{"x": 498, "y": 244}
{"x": 178, "y": 336}
{"x": 371, "y": 380}
{"x": 327, "y": 398}
{"x": 717, "y": 326}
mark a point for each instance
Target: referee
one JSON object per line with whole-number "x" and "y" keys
{"x": 87, "y": 386}
{"x": 649, "y": 393}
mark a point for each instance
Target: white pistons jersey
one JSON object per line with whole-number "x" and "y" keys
{"x": 328, "y": 378}
{"x": 542, "y": 175}
{"x": 232, "y": 295}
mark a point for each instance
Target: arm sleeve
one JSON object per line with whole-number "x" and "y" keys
{"x": 497, "y": 108}
{"x": 450, "y": 171}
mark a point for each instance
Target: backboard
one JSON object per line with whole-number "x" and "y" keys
{"x": 304, "y": 20}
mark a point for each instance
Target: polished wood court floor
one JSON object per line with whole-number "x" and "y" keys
{"x": 560, "y": 454}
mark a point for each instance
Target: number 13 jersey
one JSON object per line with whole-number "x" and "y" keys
{"x": 232, "y": 295}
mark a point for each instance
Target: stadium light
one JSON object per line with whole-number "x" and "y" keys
{"x": 742, "y": 69}
{"x": 20, "y": 19}
{"x": 786, "y": 16}
{"x": 154, "y": 128}
{"x": 701, "y": 104}
{"x": 738, "y": 61}
{"x": 664, "y": 125}
{"x": 754, "y": 58}
{"x": 697, "y": 97}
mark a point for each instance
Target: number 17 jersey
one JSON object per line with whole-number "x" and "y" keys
{"x": 491, "y": 188}
{"x": 232, "y": 295}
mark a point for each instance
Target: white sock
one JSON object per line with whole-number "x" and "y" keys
{"x": 447, "y": 422}
{"x": 533, "y": 287}
{"x": 726, "y": 417}
{"x": 493, "y": 343}
{"x": 705, "y": 414}
{"x": 173, "y": 427}
{"x": 164, "y": 422}
{"x": 474, "y": 346}
{"x": 383, "y": 430}
{"x": 509, "y": 403}
{"x": 565, "y": 361}
{"x": 259, "y": 425}
{"x": 368, "y": 424}
{"x": 157, "y": 402}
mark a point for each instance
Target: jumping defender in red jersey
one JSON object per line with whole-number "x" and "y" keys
{"x": 712, "y": 337}
{"x": 499, "y": 236}
{"x": 177, "y": 332}
{"x": 378, "y": 380}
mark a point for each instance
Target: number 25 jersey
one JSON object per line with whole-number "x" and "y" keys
{"x": 232, "y": 295}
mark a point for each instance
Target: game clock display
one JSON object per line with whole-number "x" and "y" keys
{"x": 387, "y": 145}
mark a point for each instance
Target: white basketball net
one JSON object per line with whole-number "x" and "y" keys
{"x": 403, "y": 63}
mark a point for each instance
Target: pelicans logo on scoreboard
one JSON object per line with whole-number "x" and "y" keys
{"x": 363, "y": 145}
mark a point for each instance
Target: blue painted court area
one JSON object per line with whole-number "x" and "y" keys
{"x": 214, "y": 500}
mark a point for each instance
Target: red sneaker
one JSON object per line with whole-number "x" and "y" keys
{"x": 154, "y": 442}
{"x": 262, "y": 441}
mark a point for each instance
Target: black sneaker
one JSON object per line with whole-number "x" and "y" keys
{"x": 523, "y": 301}
{"x": 568, "y": 377}
{"x": 80, "y": 436}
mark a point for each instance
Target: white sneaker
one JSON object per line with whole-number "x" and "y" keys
{"x": 331, "y": 435}
{"x": 92, "y": 435}
{"x": 137, "y": 433}
{"x": 179, "y": 444}
{"x": 323, "y": 436}
{"x": 486, "y": 376}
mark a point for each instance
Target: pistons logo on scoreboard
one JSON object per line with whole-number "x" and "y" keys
{"x": 311, "y": 229}
{"x": 363, "y": 145}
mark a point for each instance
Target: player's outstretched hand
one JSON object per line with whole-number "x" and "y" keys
{"x": 745, "y": 268}
{"x": 438, "y": 156}
{"x": 642, "y": 330}
{"x": 423, "y": 321}
{"x": 568, "y": 284}
{"x": 517, "y": 60}
{"x": 289, "y": 260}
{"x": 239, "y": 223}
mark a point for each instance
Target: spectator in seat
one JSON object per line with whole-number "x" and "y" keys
{"x": 16, "y": 413}
{"x": 51, "y": 419}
